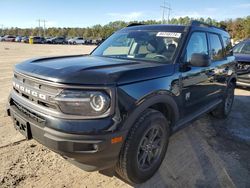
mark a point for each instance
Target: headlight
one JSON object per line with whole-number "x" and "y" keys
{"x": 83, "y": 103}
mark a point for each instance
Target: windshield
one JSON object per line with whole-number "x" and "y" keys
{"x": 242, "y": 48}
{"x": 143, "y": 45}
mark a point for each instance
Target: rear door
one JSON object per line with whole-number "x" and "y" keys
{"x": 219, "y": 65}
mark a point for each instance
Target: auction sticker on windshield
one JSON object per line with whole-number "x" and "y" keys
{"x": 168, "y": 34}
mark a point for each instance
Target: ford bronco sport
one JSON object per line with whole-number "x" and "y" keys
{"x": 117, "y": 107}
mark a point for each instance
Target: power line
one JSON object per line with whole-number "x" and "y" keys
{"x": 164, "y": 8}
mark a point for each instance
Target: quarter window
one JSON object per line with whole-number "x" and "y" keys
{"x": 216, "y": 47}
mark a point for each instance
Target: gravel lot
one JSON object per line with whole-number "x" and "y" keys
{"x": 208, "y": 153}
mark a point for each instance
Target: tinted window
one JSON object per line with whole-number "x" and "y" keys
{"x": 216, "y": 47}
{"x": 246, "y": 48}
{"x": 227, "y": 45}
{"x": 197, "y": 44}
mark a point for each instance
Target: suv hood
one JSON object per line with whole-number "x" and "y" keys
{"x": 92, "y": 70}
{"x": 242, "y": 57}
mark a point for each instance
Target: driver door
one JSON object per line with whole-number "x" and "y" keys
{"x": 196, "y": 81}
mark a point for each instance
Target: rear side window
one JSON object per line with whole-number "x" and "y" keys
{"x": 197, "y": 44}
{"x": 227, "y": 45}
{"x": 216, "y": 47}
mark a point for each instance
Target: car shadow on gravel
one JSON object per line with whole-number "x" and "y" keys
{"x": 209, "y": 152}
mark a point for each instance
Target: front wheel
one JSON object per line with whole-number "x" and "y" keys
{"x": 145, "y": 147}
{"x": 223, "y": 110}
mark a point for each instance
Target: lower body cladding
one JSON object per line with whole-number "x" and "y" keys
{"x": 87, "y": 150}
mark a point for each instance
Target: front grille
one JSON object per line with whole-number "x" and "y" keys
{"x": 35, "y": 92}
{"x": 28, "y": 113}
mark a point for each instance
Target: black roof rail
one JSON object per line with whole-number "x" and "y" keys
{"x": 134, "y": 24}
{"x": 203, "y": 24}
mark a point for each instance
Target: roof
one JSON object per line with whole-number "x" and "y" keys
{"x": 156, "y": 27}
{"x": 177, "y": 28}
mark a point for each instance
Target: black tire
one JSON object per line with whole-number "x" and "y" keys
{"x": 137, "y": 145}
{"x": 224, "y": 109}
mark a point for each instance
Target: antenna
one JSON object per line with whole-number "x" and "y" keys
{"x": 164, "y": 8}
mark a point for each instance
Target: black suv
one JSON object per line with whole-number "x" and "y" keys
{"x": 117, "y": 107}
{"x": 38, "y": 40}
{"x": 56, "y": 40}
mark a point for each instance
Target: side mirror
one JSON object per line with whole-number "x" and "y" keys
{"x": 200, "y": 60}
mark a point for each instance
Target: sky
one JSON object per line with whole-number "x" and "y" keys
{"x": 80, "y": 13}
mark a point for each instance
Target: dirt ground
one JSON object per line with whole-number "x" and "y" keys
{"x": 208, "y": 153}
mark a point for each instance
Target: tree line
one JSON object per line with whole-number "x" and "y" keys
{"x": 238, "y": 28}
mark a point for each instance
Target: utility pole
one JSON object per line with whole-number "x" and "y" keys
{"x": 44, "y": 27}
{"x": 2, "y": 29}
{"x": 164, "y": 8}
{"x": 39, "y": 27}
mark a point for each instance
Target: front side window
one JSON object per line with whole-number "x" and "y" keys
{"x": 197, "y": 45}
{"x": 216, "y": 47}
{"x": 143, "y": 45}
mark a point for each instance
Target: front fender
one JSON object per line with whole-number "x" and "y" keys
{"x": 149, "y": 101}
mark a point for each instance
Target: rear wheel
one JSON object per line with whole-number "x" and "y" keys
{"x": 145, "y": 147}
{"x": 223, "y": 110}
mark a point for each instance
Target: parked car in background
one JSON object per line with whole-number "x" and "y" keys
{"x": 97, "y": 41}
{"x": 25, "y": 39}
{"x": 37, "y": 40}
{"x": 18, "y": 39}
{"x": 242, "y": 56}
{"x": 1, "y": 38}
{"x": 9, "y": 38}
{"x": 88, "y": 41}
{"x": 56, "y": 40}
{"x": 77, "y": 40}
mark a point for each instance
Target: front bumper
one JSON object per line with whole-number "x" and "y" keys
{"x": 243, "y": 80}
{"x": 90, "y": 148}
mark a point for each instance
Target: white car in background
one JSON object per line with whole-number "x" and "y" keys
{"x": 77, "y": 40}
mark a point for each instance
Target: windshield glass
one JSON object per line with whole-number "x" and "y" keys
{"x": 143, "y": 45}
{"x": 242, "y": 48}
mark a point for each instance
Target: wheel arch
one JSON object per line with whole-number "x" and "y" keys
{"x": 161, "y": 101}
